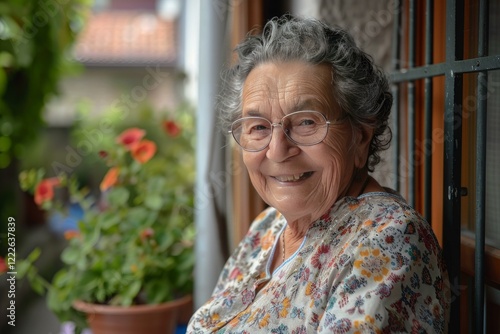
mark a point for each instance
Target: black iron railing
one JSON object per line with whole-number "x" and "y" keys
{"x": 453, "y": 69}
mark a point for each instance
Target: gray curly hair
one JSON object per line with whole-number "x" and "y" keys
{"x": 360, "y": 87}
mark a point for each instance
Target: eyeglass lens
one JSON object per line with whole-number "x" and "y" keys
{"x": 301, "y": 127}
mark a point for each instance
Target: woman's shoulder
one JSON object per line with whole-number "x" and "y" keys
{"x": 376, "y": 211}
{"x": 387, "y": 216}
{"x": 387, "y": 205}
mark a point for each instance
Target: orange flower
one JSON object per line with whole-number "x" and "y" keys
{"x": 130, "y": 137}
{"x": 71, "y": 234}
{"x": 45, "y": 190}
{"x": 3, "y": 265}
{"x": 143, "y": 151}
{"x": 171, "y": 128}
{"x": 110, "y": 178}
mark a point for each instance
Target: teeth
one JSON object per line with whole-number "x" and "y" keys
{"x": 289, "y": 178}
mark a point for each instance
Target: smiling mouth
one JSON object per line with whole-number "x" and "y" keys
{"x": 293, "y": 178}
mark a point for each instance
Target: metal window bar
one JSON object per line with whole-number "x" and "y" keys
{"x": 486, "y": 63}
{"x": 396, "y": 37}
{"x": 453, "y": 69}
{"x": 452, "y": 151}
{"x": 429, "y": 28}
{"x": 482, "y": 87}
{"x": 411, "y": 118}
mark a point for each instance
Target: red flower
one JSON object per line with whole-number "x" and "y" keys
{"x": 70, "y": 234}
{"x": 147, "y": 233}
{"x": 103, "y": 154}
{"x": 143, "y": 151}
{"x": 3, "y": 265}
{"x": 45, "y": 190}
{"x": 130, "y": 137}
{"x": 171, "y": 128}
{"x": 110, "y": 178}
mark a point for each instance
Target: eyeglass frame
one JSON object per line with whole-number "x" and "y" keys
{"x": 280, "y": 123}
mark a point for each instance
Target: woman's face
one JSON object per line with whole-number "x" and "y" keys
{"x": 302, "y": 182}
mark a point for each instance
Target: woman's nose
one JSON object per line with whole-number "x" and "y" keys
{"x": 280, "y": 147}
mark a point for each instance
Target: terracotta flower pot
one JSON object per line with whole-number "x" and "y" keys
{"x": 136, "y": 319}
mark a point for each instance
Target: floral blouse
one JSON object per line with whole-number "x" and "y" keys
{"x": 370, "y": 265}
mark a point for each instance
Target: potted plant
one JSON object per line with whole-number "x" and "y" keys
{"x": 134, "y": 243}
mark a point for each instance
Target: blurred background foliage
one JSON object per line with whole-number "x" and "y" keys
{"x": 89, "y": 135}
{"x": 35, "y": 47}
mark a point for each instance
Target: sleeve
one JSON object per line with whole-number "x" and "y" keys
{"x": 396, "y": 282}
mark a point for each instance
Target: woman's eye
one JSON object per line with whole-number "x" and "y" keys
{"x": 255, "y": 126}
{"x": 259, "y": 127}
{"x": 307, "y": 122}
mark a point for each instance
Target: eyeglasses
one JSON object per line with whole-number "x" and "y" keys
{"x": 305, "y": 128}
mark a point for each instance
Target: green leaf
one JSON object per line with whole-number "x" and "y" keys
{"x": 89, "y": 280}
{"x": 118, "y": 196}
{"x": 130, "y": 293}
{"x": 3, "y": 76}
{"x": 70, "y": 255}
{"x": 100, "y": 294}
{"x": 25, "y": 267}
{"x": 135, "y": 167}
{"x": 156, "y": 184}
{"x": 109, "y": 219}
{"x": 165, "y": 240}
{"x": 37, "y": 285}
{"x": 22, "y": 268}
{"x": 138, "y": 214}
{"x": 153, "y": 202}
{"x": 157, "y": 291}
{"x": 34, "y": 255}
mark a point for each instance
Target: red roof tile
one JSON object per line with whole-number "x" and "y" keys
{"x": 127, "y": 38}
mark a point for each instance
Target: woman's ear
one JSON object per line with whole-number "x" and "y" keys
{"x": 363, "y": 138}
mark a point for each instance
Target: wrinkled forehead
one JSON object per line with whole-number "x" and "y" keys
{"x": 281, "y": 88}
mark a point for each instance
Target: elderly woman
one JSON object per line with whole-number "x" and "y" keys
{"x": 335, "y": 252}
